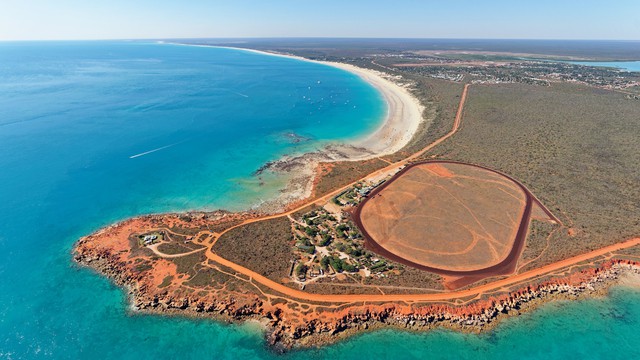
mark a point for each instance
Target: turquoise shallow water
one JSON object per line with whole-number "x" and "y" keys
{"x": 73, "y": 117}
{"x": 624, "y": 65}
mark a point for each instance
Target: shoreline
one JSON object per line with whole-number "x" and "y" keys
{"x": 397, "y": 128}
{"x": 286, "y": 328}
{"x": 155, "y": 285}
{"x": 404, "y": 111}
{"x": 291, "y": 322}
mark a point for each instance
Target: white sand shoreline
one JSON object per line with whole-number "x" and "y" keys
{"x": 404, "y": 111}
{"x": 403, "y": 118}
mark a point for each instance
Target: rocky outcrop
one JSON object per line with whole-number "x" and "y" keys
{"x": 282, "y": 333}
{"x": 474, "y": 317}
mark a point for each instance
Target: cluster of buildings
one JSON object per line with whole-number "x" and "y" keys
{"x": 327, "y": 243}
{"x": 541, "y": 73}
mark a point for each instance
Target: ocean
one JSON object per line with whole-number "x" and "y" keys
{"x": 632, "y": 66}
{"x": 95, "y": 132}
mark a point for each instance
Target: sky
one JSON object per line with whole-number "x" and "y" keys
{"x": 146, "y": 19}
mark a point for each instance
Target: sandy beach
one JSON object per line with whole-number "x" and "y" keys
{"x": 404, "y": 111}
{"x": 240, "y": 286}
{"x": 404, "y": 116}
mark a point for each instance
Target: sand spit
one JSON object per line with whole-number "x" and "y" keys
{"x": 403, "y": 118}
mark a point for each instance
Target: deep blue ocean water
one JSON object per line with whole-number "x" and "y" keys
{"x": 94, "y": 132}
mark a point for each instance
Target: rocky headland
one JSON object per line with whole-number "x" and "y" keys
{"x": 289, "y": 326}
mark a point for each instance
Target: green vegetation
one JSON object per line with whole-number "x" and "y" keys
{"x": 301, "y": 270}
{"x": 378, "y": 266}
{"x": 175, "y": 248}
{"x": 203, "y": 277}
{"x": 306, "y": 246}
{"x": 345, "y": 172}
{"x": 166, "y": 281}
{"x": 143, "y": 266}
{"x": 340, "y": 231}
{"x": 574, "y": 147}
{"x": 326, "y": 240}
{"x": 540, "y": 234}
{"x": 189, "y": 264}
{"x": 311, "y": 231}
{"x": 339, "y": 265}
{"x": 264, "y": 247}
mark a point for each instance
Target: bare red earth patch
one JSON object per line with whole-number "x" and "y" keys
{"x": 455, "y": 219}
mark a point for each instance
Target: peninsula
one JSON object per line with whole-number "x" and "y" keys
{"x": 489, "y": 189}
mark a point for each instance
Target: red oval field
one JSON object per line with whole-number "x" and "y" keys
{"x": 450, "y": 218}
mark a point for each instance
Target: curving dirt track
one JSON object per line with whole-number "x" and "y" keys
{"x": 413, "y": 250}
{"x": 432, "y": 297}
{"x": 474, "y": 291}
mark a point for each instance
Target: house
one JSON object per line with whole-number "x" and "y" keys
{"x": 149, "y": 239}
{"x": 365, "y": 190}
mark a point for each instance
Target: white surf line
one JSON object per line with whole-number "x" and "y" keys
{"x": 154, "y": 150}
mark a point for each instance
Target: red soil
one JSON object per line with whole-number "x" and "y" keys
{"x": 469, "y": 224}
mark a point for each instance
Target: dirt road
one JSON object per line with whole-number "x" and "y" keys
{"x": 329, "y": 298}
{"x": 505, "y": 266}
{"x": 392, "y": 167}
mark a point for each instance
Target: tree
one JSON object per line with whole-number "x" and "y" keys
{"x": 301, "y": 269}
{"x": 311, "y": 231}
{"x": 326, "y": 239}
{"x": 336, "y": 264}
{"x": 325, "y": 262}
{"x": 348, "y": 267}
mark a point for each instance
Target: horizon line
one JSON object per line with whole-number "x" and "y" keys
{"x": 315, "y": 38}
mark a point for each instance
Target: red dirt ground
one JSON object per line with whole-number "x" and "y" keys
{"x": 451, "y": 218}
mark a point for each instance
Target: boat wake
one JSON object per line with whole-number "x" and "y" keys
{"x": 239, "y": 94}
{"x": 154, "y": 150}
